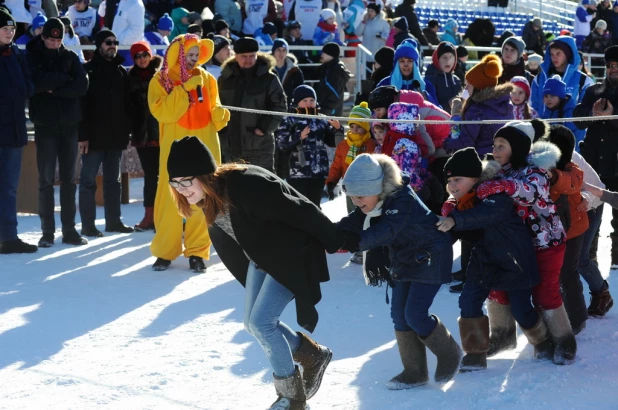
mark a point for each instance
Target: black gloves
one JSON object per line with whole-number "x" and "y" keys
{"x": 352, "y": 241}
{"x": 377, "y": 264}
{"x": 330, "y": 188}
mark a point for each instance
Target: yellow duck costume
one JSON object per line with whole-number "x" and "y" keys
{"x": 173, "y": 101}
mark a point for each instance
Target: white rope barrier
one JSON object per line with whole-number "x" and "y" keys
{"x": 450, "y": 122}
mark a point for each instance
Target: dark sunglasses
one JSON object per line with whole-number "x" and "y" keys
{"x": 185, "y": 183}
{"x": 138, "y": 56}
{"x": 112, "y": 42}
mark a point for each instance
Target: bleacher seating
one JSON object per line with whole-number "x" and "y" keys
{"x": 514, "y": 22}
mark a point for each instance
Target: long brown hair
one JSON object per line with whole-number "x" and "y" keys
{"x": 215, "y": 198}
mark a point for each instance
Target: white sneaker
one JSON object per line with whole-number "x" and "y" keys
{"x": 357, "y": 258}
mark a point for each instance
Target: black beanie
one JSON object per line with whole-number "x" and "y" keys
{"x": 220, "y": 25}
{"x": 101, "y": 36}
{"x": 446, "y": 47}
{"x": 246, "y": 45}
{"x": 463, "y": 163}
{"x": 519, "y": 134}
{"x": 611, "y": 54}
{"x": 563, "y": 138}
{"x": 219, "y": 41}
{"x": 53, "y": 28}
{"x": 189, "y": 157}
{"x": 385, "y": 57}
{"x": 375, "y": 7}
{"x": 332, "y": 49}
{"x": 462, "y": 51}
{"x": 5, "y": 18}
{"x": 382, "y": 97}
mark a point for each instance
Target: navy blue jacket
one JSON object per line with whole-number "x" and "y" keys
{"x": 417, "y": 250}
{"x": 16, "y": 88}
{"x": 503, "y": 256}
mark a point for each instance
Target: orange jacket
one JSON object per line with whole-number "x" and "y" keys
{"x": 569, "y": 182}
{"x": 339, "y": 166}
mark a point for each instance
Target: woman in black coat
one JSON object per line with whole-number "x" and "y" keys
{"x": 272, "y": 239}
{"x": 144, "y": 126}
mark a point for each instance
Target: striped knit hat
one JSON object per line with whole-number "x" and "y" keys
{"x": 361, "y": 111}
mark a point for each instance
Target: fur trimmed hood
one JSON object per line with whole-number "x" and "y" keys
{"x": 544, "y": 155}
{"x": 490, "y": 170}
{"x": 263, "y": 59}
{"x": 490, "y": 93}
{"x": 392, "y": 180}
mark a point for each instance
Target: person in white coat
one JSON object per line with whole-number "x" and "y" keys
{"x": 129, "y": 26}
{"x": 374, "y": 29}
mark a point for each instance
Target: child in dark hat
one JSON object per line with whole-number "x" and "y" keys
{"x": 239, "y": 201}
{"x": 504, "y": 244}
{"x": 462, "y": 67}
{"x": 566, "y": 183}
{"x": 558, "y": 104}
{"x": 302, "y": 143}
{"x": 525, "y": 178}
{"x": 334, "y": 77}
{"x": 440, "y": 73}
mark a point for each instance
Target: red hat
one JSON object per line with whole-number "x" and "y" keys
{"x": 522, "y": 83}
{"x": 140, "y": 47}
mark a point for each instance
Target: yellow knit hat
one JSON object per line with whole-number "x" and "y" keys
{"x": 361, "y": 111}
{"x": 486, "y": 73}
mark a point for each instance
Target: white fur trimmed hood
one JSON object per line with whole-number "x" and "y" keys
{"x": 490, "y": 169}
{"x": 544, "y": 155}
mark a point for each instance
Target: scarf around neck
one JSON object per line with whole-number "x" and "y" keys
{"x": 355, "y": 142}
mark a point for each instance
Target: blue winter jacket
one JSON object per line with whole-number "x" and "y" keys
{"x": 16, "y": 88}
{"x": 503, "y": 257}
{"x": 576, "y": 86}
{"x": 155, "y": 40}
{"x": 568, "y": 105}
{"x": 418, "y": 251}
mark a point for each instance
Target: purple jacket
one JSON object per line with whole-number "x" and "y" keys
{"x": 492, "y": 103}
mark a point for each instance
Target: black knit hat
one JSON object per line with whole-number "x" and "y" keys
{"x": 332, "y": 49}
{"x": 384, "y": 57}
{"x": 220, "y": 25}
{"x": 303, "y": 91}
{"x": 189, "y": 157}
{"x": 5, "y": 18}
{"x": 375, "y": 7}
{"x": 53, "y": 28}
{"x": 101, "y": 36}
{"x": 246, "y": 45}
{"x": 563, "y": 138}
{"x": 462, "y": 51}
{"x": 611, "y": 54}
{"x": 219, "y": 41}
{"x": 446, "y": 47}
{"x": 402, "y": 24}
{"x": 463, "y": 163}
{"x": 520, "y": 135}
{"x": 382, "y": 97}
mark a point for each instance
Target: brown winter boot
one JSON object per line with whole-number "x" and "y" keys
{"x": 414, "y": 359}
{"x": 147, "y": 223}
{"x": 291, "y": 392}
{"x": 562, "y": 335}
{"x": 600, "y": 302}
{"x": 538, "y": 336}
{"x": 446, "y": 349}
{"x": 474, "y": 334}
{"x": 314, "y": 359}
{"x": 503, "y": 333}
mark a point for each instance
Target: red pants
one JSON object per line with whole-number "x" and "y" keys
{"x": 545, "y": 295}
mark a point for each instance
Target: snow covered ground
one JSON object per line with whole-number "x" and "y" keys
{"x": 94, "y": 327}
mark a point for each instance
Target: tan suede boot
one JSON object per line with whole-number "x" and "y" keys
{"x": 538, "y": 336}
{"x": 314, "y": 359}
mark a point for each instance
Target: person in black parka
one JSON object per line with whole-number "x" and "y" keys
{"x": 103, "y": 135}
{"x": 272, "y": 239}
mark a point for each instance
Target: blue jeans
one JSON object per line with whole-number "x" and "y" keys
{"x": 10, "y": 169}
{"x": 410, "y": 307}
{"x": 473, "y": 296}
{"x": 111, "y": 186}
{"x": 265, "y": 300}
{"x": 587, "y": 268}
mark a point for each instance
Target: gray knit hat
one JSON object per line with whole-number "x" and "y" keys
{"x": 517, "y": 43}
{"x": 363, "y": 177}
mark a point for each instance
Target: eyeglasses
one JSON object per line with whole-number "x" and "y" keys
{"x": 138, "y": 56}
{"x": 185, "y": 183}
{"x": 112, "y": 42}
{"x": 611, "y": 66}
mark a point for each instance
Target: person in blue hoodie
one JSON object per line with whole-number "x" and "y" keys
{"x": 450, "y": 32}
{"x": 406, "y": 74}
{"x": 559, "y": 104}
{"x": 34, "y": 30}
{"x": 159, "y": 37}
{"x": 16, "y": 87}
{"x": 266, "y": 35}
{"x": 561, "y": 58}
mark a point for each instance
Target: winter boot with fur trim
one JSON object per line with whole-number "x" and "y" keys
{"x": 446, "y": 349}
{"x": 474, "y": 334}
{"x": 538, "y": 336}
{"x": 414, "y": 359}
{"x": 314, "y": 359}
{"x": 562, "y": 335}
{"x": 503, "y": 331}
{"x": 291, "y": 392}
